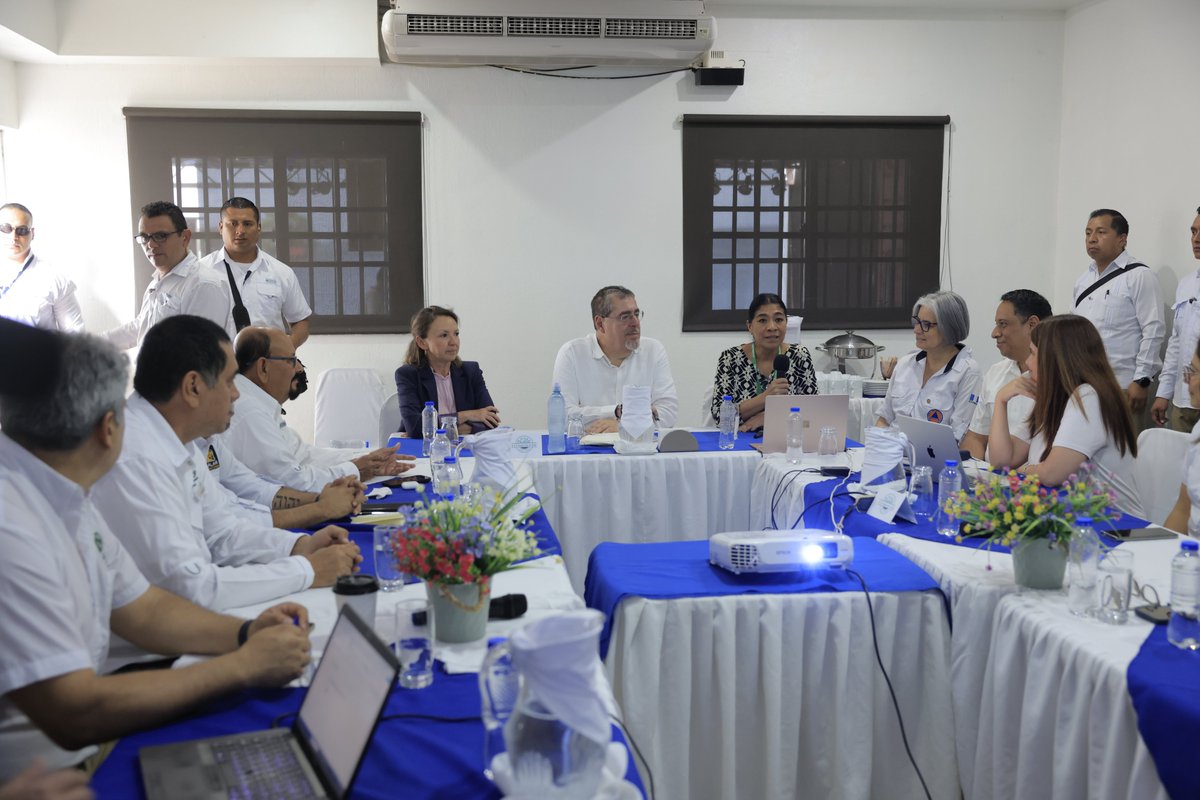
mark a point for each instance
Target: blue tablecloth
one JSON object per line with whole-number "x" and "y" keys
{"x": 1164, "y": 685}
{"x": 860, "y": 524}
{"x": 663, "y": 570}
{"x": 412, "y": 447}
{"x": 410, "y": 758}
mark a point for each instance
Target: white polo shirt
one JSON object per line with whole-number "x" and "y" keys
{"x": 38, "y": 295}
{"x": 233, "y": 479}
{"x": 269, "y": 288}
{"x": 169, "y": 513}
{"x": 1128, "y": 313}
{"x": 186, "y": 289}
{"x": 1083, "y": 431}
{"x": 998, "y": 375}
{"x": 593, "y": 387}
{"x": 1181, "y": 346}
{"x": 949, "y": 397}
{"x": 261, "y": 439}
{"x": 61, "y": 575}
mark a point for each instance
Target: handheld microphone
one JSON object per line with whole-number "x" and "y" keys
{"x": 781, "y": 365}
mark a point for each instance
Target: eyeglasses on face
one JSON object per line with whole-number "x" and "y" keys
{"x": 923, "y": 324}
{"x": 20, "y": 230}
{"x": 627, "y": 317}
{"x": 158, "y": 238}
{"x": 290, "y": 359}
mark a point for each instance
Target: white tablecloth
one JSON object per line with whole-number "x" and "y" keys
{"x": 1041, "y": 705}
{"x": 765, "y": 696}
{"x": 596, "y": 498}
{"x": 778, "y": 487}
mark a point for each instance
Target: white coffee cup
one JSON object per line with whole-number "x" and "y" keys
{"x": 360, "y": 592}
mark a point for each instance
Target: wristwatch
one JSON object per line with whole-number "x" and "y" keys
{"x": 1142, "y": 382}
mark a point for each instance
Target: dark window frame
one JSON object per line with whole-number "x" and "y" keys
{"x": 751, "y": 155}
{"x": 158, "y": 137}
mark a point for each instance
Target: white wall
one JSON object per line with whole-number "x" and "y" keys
{"x": 1129, "y": 133}
{"x": 8, "y": 96}
{"x": 541, "y": 190}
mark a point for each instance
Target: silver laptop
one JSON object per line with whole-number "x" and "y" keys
{"x": 816, "y": 411}
{"x": 933, "y": 442}
{"x": 317, "y": 757}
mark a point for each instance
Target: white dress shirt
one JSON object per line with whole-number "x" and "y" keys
{"x": 949, "y": 396}
{"x": 1083, "y": 431}
{"x": 1128, "y": 313}
{"x": 248, "y": 495}
{"x": 592, "y": 386}
{"x": 269, "y": 288}
{"x": 62, "y": 574}
{"x": 1181, "y": 346}
{"x": 1191, "y": 479}
{"x": 161, "y": 502}
{"x": 38, "y": 295}
{"x": 187, "y": 289}
{"x": 1019, "y": 408}
{"x": 261, "y": 439}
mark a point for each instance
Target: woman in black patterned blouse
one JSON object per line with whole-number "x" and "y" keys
{"x": 747, "y": 372}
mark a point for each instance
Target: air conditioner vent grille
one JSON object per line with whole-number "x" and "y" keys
{"x": 617, "y": 28}
{"x": 565, "y": 27}
{"x": 454, "y": 25}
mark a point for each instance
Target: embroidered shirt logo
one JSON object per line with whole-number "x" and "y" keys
{"x": 99, "y": 540}
{"x": 213, "y": 461}
{"x": 934, "y": 415}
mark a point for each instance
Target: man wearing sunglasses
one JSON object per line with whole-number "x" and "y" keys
{"x": 30, "y": 291}
{"x": 179, "y": 284}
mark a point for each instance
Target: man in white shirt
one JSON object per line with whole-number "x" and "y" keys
{"x": 1126, "y": 308}
{"x": 268, "y": 288}
{"x": 593, "y": 370}
{"x": 179, "y": 285}
{"x": 1185, "y": 333}
{"x": 169, "y": 513}
{"x": 1018, "y": 314}
{"x": 66, "y": 581}
{"x": 261, "y": 439}
{"x": 31, "y": 291}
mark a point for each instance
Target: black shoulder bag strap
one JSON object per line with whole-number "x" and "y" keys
{"x": 241, "y": 317}
{"x": 1105, "y": 280}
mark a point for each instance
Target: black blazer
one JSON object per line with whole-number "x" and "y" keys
{"x": 415, "y": 385}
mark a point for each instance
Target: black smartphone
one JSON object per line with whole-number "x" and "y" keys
{"x": 400, "y": 480}
{"x": 1151, "y": 612}
{"x": 1143, "y": 534}
{"x": 835, "y": 472}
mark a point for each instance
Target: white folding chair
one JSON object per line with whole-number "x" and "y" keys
{"x": 389, "y": 418}
{"x": 347, "y": 406}
{"x": 1159, "y": 470}
{"x": 706, "y": 417}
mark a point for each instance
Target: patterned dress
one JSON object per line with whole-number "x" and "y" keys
{"x": 737, "y": 377}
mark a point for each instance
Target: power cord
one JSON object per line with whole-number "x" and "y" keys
{"x": 888, "y": 680}
{"x": 555, "y": 74}
{"x": 637, "y": 754}
{"x": 785, "y": 482}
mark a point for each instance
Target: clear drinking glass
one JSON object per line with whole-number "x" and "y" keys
{"x": 450, "y": 423}
{"x": 414, "y": 642}
{"x": 574, "y": 432}
{"x": 387, "y": 568}
{"x": 827, "y": 445}
{"x": 924, "y": 501}
{"x": 1116, "y": 584}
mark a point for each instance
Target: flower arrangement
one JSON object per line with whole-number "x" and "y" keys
{"x": 1010, "y": 508}
{"x": 464, "y": 539}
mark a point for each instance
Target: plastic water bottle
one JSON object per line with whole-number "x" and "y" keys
{"x": 429, "y": 420}
{"x": 439, "y": 448}
{"x": 1183, "y": 630}
{"x": 1083, "y": 564}
{"x": 795, "y": 437}
{"x": 447, "y": 478}
{"x": 556, "y": 422}
{"x": 949, "y": 484}
{"x": 728, "y": 424}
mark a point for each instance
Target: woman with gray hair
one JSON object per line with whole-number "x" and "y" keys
{"x": 940, "y": 382}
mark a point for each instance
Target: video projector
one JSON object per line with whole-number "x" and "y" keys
{"x": 779, "y": 551}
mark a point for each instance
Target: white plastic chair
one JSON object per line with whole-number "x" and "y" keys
{"x": 389, "y": 418}
{"x": 706, "y": 417}
{"x": 347, "y": 406}
{"x": 1159, "y": 470}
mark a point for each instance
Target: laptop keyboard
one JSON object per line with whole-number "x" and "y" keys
{"x": 261, "y": 768}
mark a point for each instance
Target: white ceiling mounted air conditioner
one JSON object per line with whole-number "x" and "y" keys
{"x": 547, "y": 33}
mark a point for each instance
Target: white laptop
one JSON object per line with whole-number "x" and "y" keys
{"x": 933, "y": 442}
{"x": 317, "y": 757}
{"x": 816, "y": 411}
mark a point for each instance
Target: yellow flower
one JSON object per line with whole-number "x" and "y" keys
{"x": 1008, "y": 518}
{"x": 1020, "y": 515}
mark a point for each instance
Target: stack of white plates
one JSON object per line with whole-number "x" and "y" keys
{"x": 874, "y": 388}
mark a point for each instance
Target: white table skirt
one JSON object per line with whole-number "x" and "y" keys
{"x": 773, "y": 477}
{"x": 1041, "y": 704}
{"x": 771, "y": 696}
{"x": 594, "y": 498}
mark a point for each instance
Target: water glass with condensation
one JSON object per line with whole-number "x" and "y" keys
{"x": 827, "y": 445}
{"x": 1116, "y": 585}
{"x": 924, "y": 501}
{"x": 387, "y": 566}
{"x": 413, "y": 643}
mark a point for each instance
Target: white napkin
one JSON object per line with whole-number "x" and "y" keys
{"x": 886, "y": 448}
{"x": 379, "y": 492}
{"x": 636, "y": 416}
{"x": 493, "y": 458}
{"x": 613, "y": 785}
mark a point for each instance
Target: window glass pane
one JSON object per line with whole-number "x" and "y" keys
{"x": 376, "y": 290}
{"x": 297, "y": 221}
{"x": 722, "y": 221}
{"x": 768, "y": 248}
{"x": 722, "y": 286}
{"x": 325, "y": 290}
{"x": 744, "y": 286}
{"x": 322, "y": 222}
{"x": 745, "y": 248}
{"x": 768, "y": 278}
{"x": 351, "y": 290}
{"x": 298, "y": 251}
{"x": 723, "y": 194}
{"x": 768, "y": 222}
{"x": 722, "y": 248}
{"x": 745, "y": 221}
{"x": 323, "y": 250}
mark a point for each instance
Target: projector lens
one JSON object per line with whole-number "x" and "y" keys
{"x": 811, "y": 553}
